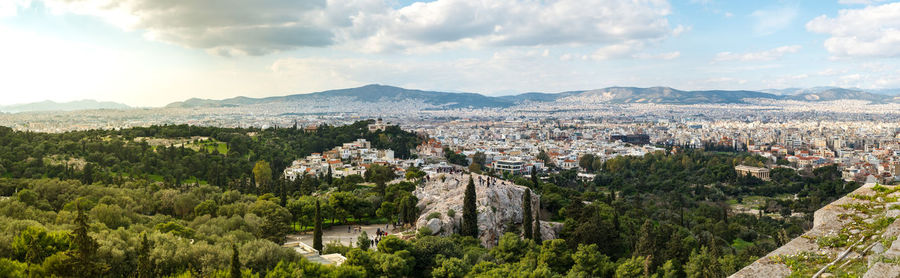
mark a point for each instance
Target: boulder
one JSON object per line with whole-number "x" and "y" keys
{"x": 435, "y": 225}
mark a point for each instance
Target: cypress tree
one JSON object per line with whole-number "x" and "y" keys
{"x": 317, "y": 231}
{"x": 283, "y": 192}
{"x": 534, "y": 178}
{"x": 527, "y": 222}
{"x": 538, "y": 238}
{"x": 235, "y": 262}
{"x": 470, "y": 215}
{"x": 646, "y": 244}
{"x": 328, "y": 178}
{"x": 144, "y": 267}
{"x": 85, "y": 248}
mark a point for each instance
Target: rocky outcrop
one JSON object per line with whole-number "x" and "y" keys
{"x": 499, "y": 207}
{"x": 856, "y": 235}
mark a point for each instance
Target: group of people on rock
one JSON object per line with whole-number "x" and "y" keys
{"x": 489, "y": 181}
{"x": 448, "y": 171}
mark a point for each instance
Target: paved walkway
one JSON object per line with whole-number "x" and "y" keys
{"x": 339, "y": 233}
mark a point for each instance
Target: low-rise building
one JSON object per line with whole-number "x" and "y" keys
{"x": 758, "y": 172}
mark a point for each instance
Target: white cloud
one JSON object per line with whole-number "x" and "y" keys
{"x": 11, "y": 7}
{"x": 219, "y": 26}
{"x": 658, "y": 56}
{"x": 455, "y": 23}
{"x": 859, "y": 2}
{"x": 769, "y": 21}
{"x": 767, "y": 55}
{"x": 615, "y": 51}
{"x": 259, "y": 27}
{"x": 873, "y": 31}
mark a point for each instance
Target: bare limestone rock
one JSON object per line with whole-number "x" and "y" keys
{"x": 499, "y": 207}
{"x": 435, "y": 225}
{"x": 832, "y": 220}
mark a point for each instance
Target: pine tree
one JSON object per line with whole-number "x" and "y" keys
{"x": 235, "y": 262}
{"x": 85, "y": 248}
{"x": 144, "y": 267}
{"x": 527, "y": 222}
{"x": 470, "y": 215}
{"x": 317, "y": 231}
{"x": 646, "y": 244}
{"x": 363, "y": 241}
{"x": 538, "y": 238}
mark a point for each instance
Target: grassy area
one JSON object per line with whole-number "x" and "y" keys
{"x": 739, "y": 244}
{"x": 209, "y": 146}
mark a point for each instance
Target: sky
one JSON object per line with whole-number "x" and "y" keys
{"x": 150, "y": 53}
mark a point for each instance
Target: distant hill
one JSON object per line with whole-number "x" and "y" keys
{"x": 840, "y": 93}
{"x": 48, "y": 105}
{"x": 616, "y": 95}
{"x": 368, "y": 93}
{"x": 663, "y": 95}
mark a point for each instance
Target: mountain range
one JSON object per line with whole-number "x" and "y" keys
{"x": 613, "y": 95}
{"x": 48, "y": 105}
{"x": 446, "y": 100}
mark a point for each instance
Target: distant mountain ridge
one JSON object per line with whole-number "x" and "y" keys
{"x": 612, "y": 95}
{"x": 47, "y": 105}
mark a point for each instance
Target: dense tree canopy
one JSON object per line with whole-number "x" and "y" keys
{"x": 103, "y": 203}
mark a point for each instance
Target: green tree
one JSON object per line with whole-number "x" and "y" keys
{"x": 632, "y": 268}
{"x": 387, "y": 211}
{"x": 470, "y": 214}
{"x": 668, "y": 270}
{"x": 407, "y": 208}
{"x": 276, "y": 220}
{"x": 393, "y": 244}
{"x": 544, "y": 157}
{"x": 206, "y": 207}
{"x": 527, "y": 221}
{"x": 145, "y": 264}
{"x": 85, "y": 249}
{"x": 262, "y": 172}
{"x": 34, "y": 244}
{"x": 538, "y": 237}
{"x": 451, "y": 268}
{"x": 646, "y": 244}
{"x": 363, "y": 241}
{"x": 586, "y": 162}
{"x": 589, "y": 262}
{"x": 317, "y": 231}
{"x": 235, "y": 262}
{"x": 510, "y": 248}
{"x": 12, "y": 268}
{"x": 535, "y": 181}
{"x": 702, "y": 265}
{"x": 555, "y": 254}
